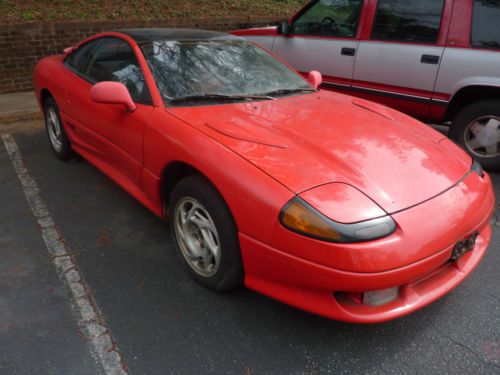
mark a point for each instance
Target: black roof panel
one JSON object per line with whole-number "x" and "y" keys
{"x": 156, "y": 34}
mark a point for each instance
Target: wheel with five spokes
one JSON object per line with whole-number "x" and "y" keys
{"x": 205, "y": 234}
{"x": 477, "y": 129}
{"x": 55, "y": 131}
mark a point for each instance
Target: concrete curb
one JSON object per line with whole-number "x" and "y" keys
{"x": 18, "y": 106}
{"x": 9, "y": 118}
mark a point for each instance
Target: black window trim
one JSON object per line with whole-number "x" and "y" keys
{"x": 313, "y": 3}
{"x": 93, "y": 81}
{"x": 472, "y": 30}
{"x": 406, "y": 41}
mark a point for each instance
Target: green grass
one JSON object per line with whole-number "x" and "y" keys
{"x": 12, "y": 11}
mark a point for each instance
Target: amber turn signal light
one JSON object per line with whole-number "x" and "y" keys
{"x": 299, "y": 218}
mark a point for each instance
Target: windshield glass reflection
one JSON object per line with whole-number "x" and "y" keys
{"x": 196, "y": 68}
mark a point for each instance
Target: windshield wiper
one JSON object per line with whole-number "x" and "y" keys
{"x": 289, "y": 91}
{"x": 209, "y": 97}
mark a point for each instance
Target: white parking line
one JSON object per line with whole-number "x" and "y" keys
{"x": 90, "y": 320}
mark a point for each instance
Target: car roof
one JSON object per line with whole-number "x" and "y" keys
{"x": 142, "y": 35}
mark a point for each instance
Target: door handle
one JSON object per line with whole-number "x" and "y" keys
{"x": 429, "y": 59}
{"x": 346, "y": 51}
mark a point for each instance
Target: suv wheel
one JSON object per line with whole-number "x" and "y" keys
{"x": 477, "y": 129}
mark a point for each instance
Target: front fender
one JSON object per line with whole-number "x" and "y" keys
{"x": 254, "y": 198}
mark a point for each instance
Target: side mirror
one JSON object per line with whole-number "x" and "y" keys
{"x": 315, "y": 78}
{"x": 284, "y": 28}
{"x": 112, "y": 93}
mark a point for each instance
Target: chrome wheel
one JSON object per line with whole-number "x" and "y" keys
{"x": 482, "y": 136}
{"x": 197, "y": 237}
{"x": 54, "y": 129}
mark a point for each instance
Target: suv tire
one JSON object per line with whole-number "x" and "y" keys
{"x": 475, "y": 128}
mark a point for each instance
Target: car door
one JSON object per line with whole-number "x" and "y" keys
{"x": 323, "y": 37}
{"x": 109, "y": 132}
{"x": 398, "y": 64}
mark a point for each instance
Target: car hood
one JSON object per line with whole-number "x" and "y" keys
{"x": 305, "y": 141}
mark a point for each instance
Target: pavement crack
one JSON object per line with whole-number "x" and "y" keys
{"x": 464, "y": 346}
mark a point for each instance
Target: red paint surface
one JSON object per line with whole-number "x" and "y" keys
{"x": 315, "y": 78}
{"x": 329, "y": 139}
{"x": 112, "y": 93}
{"x": 261, "y": 31}
{"x": 342, "y": 203}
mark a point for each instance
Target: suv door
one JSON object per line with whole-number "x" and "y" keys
{"x": 323, "y": 37}
{"x": 398, "y": 65}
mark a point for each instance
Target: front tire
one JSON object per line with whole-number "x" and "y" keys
{"x": 477, "y": 128}
{"x": 55, "y": 131}
{"x": 205, "y": 235}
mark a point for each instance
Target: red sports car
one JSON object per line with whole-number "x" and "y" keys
{"x": 332, "y": 204}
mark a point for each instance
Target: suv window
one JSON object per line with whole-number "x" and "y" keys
{"x": 80, "y": 58}
{"x": 330, "y": 18}
{"x": 408, "y": 21}
{"x": 114, "y": 60}
{"x": 485, "y": 18}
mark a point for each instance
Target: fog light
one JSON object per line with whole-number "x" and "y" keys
{"x": 380, "y": 297}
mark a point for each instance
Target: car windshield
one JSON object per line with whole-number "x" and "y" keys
{"x": 219, "y": 70}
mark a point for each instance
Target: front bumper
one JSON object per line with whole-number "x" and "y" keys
{"x": 317, "y": 276}
{"x": 313, "y": 287}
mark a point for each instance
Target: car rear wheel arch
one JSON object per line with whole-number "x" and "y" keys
{"x": 44, "y": 95}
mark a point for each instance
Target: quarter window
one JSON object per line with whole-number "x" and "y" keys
{"x": 408, "y": 21}
{"x": 485, "y": 18}
{"x": 114, "y": 60}
{"x": 337, "y": 18}
{"x": 79, "y": 59}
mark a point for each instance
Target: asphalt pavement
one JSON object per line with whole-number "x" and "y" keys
{"x": 163, "y": 322}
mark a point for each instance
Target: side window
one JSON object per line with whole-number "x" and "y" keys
{"x": 80, "y": 58}
{"x": 485, "y": 18}
{"x": 338, "y": 18}
{"x": 408, "y": 21}
{"x": 114, "y": 60}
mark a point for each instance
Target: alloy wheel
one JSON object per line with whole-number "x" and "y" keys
{"x": 197, "y": 237}
{"x": 54, "y": 129}
{"x": 482, "y": 136}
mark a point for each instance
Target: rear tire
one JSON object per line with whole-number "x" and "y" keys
{"x": 475, "y": 128}
{"x": 58, "y": 139}
{"x": 205, "y": 235}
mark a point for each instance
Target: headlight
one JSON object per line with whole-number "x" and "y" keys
{"x": 300, "y": 217}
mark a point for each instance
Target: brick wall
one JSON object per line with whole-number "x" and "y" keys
{"x": 22, "y": 45}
